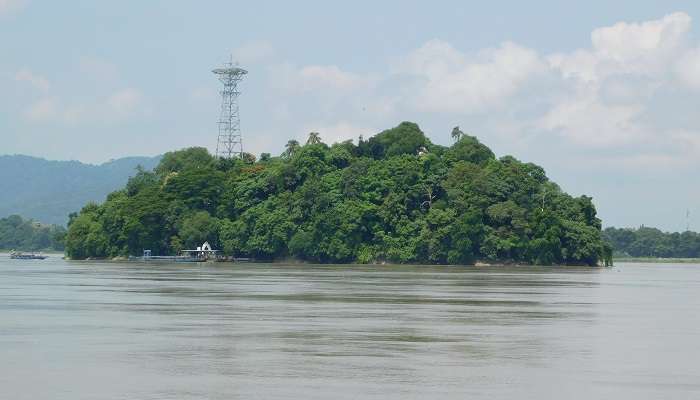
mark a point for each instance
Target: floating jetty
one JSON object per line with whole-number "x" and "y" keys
{"x": 202, "y": 253}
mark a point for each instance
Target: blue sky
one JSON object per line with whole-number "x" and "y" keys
{"x": 602, "y": 94}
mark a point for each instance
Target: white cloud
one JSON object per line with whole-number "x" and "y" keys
{"x": 124, "y": 102}
{"x": 330, "y": 77}
{"x": 598, "y": 97}
{"x": 688, "y": 68}
{"x": 44, "y": 109}
{"x": 641, "y": 162}
{"x": 625, "y": 42}
{"x": 81, "y": 113}
{"x": 206, "y": 94}
{"x": 337, "y": 132}
{"x": 608, "y": 91}
{"x": 644, "y": 49}
{"x": 586, "y": 121}
{"x": 608, "y": 100}
{"x": 98, "y": 69}
{"x": 119, "y": 105}
{"x": 677, "y": 151}
{"x": 580, "y": 64}
{"x": 449, "y": 81}
{"x": 253, "y": 52}
{"x": 76, "y": 108}
{"x": 7, "y": 6}
{"x": 325, "y": 80}
{"x": 434, "y": 59}
{"x": 37, "y": 81}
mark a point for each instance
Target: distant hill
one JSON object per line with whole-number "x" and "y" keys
{"x": 48, "y": 191}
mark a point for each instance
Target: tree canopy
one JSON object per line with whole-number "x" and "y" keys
{"x": 395, "y": 197}
{"x": 651, "y": 242}
{"x": 28, "y": 235}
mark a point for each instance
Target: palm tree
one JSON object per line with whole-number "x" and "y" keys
{"x": 314, "y": 138}
{"x": 290, "y": 148}
{"x": 457, "y": 134}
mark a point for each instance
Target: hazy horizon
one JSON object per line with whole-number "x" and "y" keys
{"x": 601, "y": 95}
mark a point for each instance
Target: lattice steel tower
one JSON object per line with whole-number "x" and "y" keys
{"x": 230, "y": 142}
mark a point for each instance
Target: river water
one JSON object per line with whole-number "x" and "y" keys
{"x": 90, "y": 330}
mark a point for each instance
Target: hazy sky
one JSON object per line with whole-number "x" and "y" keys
{"x": 604, "y": 95}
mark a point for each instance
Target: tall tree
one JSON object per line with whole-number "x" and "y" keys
{"x": 457, "y": 134}
{"x": 290, "y": 148}
{"x": 314, "y": 138}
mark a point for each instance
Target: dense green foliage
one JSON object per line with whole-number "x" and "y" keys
{"x": 26, "y": 235}
{"x": 651, "y": 242}
{"x": 395, "y": 197}
{"x": 47, "y": 191}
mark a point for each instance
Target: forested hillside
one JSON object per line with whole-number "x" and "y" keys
{"x": 651, "y": 242}
{"x": 48, "y": 191}
{"x": 26, "y": 235}
{"x": 395, "y": 197}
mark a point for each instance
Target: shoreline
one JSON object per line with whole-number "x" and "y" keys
{"x": 657, "y": 260}
{"x": 293, "y": 262}
{"x": 49, "y": 252}
{"x": 477, "y": 264}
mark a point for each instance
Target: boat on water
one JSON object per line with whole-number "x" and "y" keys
{"x": 202, "y": 253}
{"x": 18, "y": 255}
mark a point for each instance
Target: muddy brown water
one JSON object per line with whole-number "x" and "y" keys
{"x": 91, "y": 330}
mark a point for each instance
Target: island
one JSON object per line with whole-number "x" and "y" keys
{"x": 393, "y": 198}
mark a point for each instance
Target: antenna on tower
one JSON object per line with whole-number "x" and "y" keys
{"x": 687, "y": 220}
{"x": 230, "y": 141}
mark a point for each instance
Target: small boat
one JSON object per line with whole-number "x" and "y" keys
{"x": 18, "y": 255}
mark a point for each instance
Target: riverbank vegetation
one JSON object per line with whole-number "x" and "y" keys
{"x": 28, "y": 235}
{"x": 395, "y": 197}
{"x": 645, "y": 242}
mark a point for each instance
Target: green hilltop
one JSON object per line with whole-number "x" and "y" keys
{"x": 395, "y": 197}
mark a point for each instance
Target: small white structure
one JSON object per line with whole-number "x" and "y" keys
{"x": 203, "y": 252}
